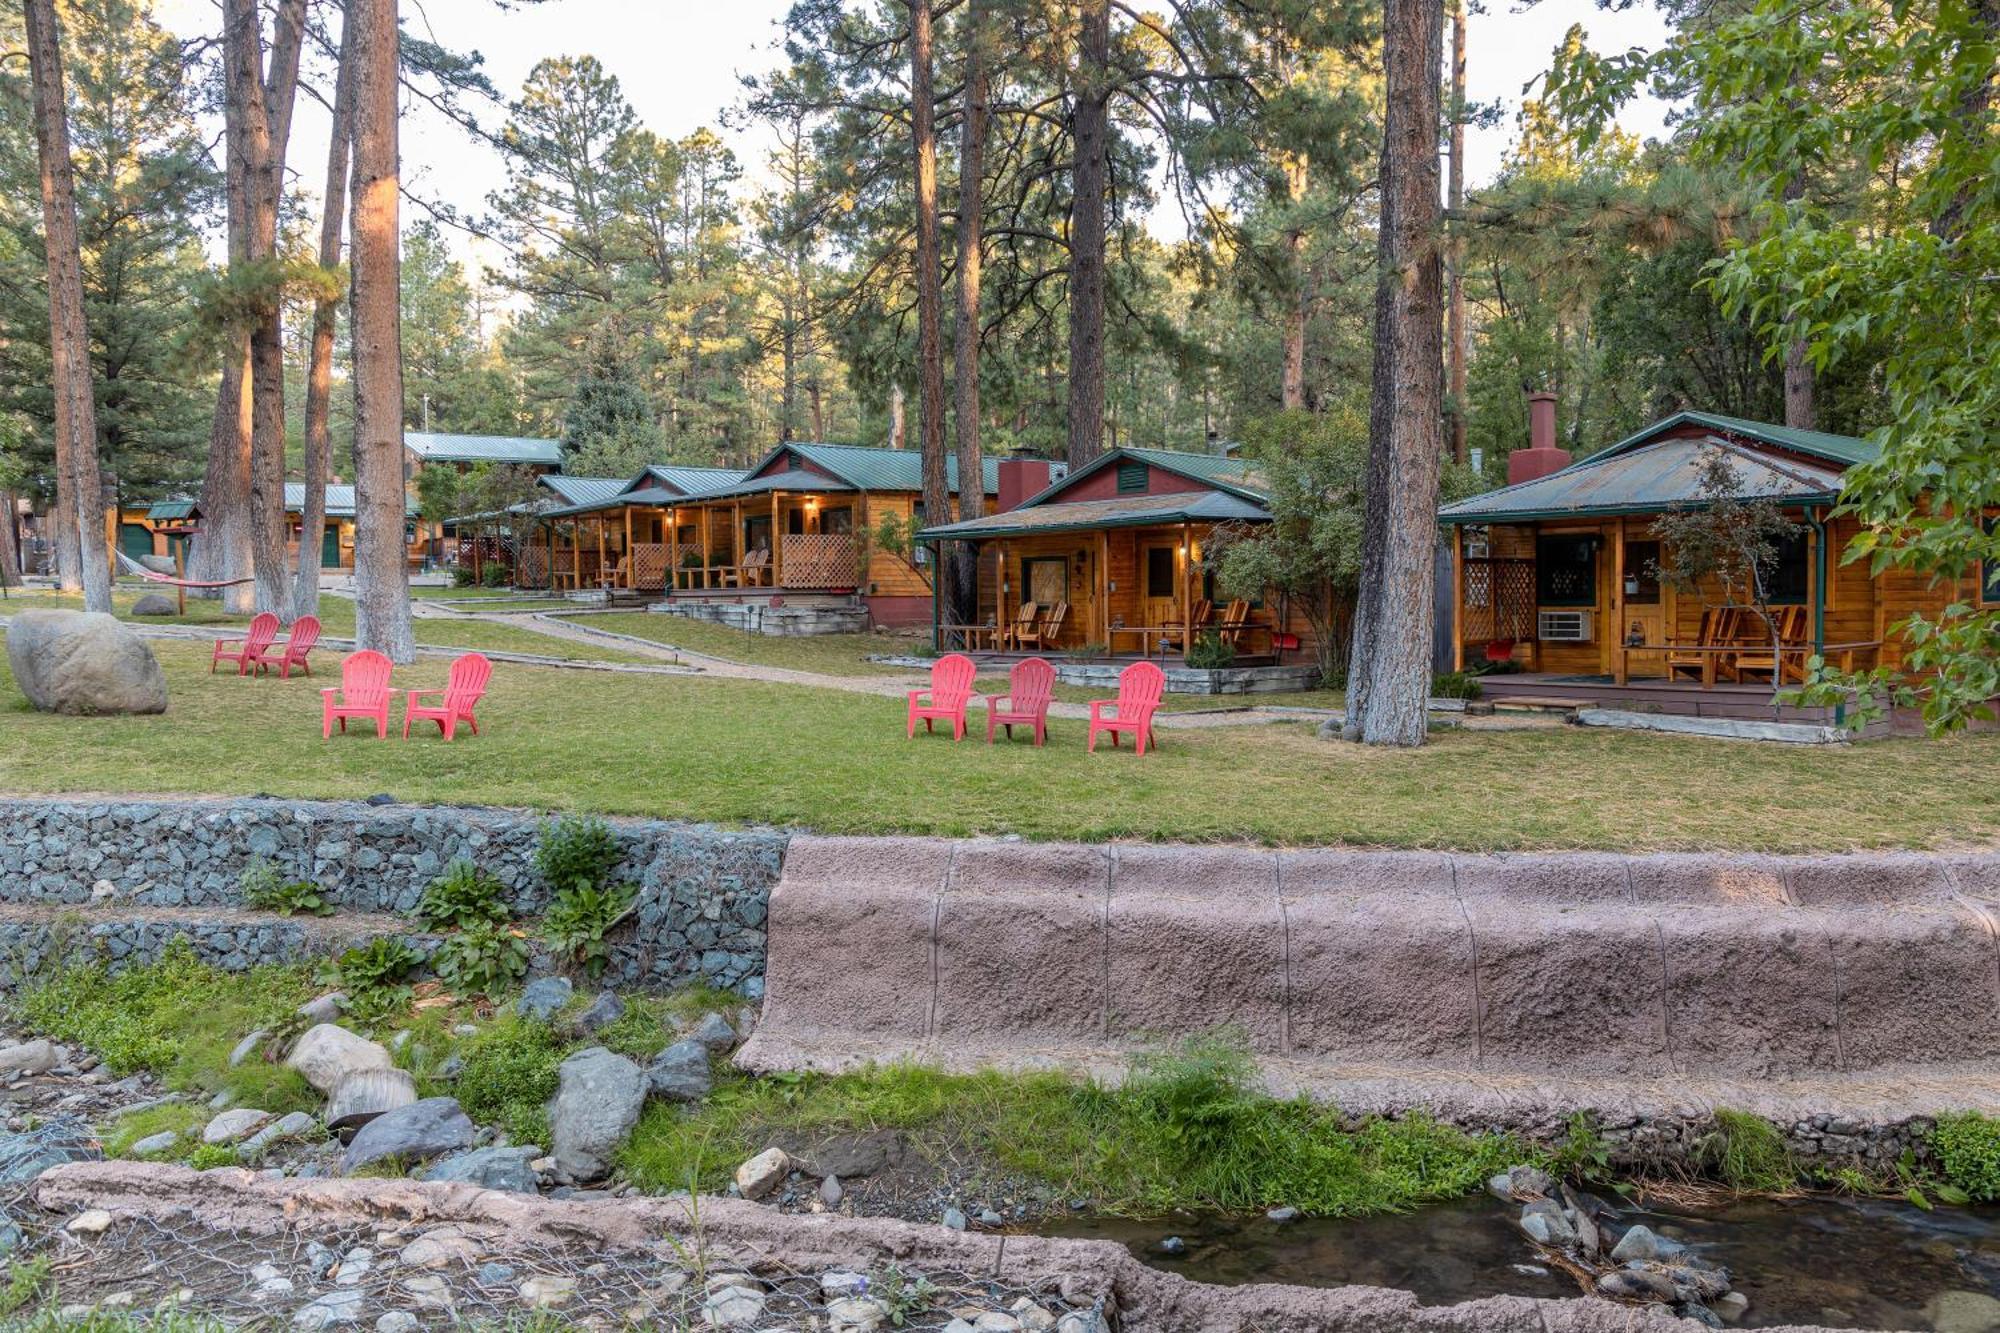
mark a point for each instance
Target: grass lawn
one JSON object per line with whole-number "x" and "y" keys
{"x": 336, "y": 618}
{"x": 825, "y": 654}
{"x": 740, "y": 752}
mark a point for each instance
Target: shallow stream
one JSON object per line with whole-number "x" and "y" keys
{"x": 1841, "y": 1262}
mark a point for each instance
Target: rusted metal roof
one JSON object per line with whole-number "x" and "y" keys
{"x": 1647, "y": 479}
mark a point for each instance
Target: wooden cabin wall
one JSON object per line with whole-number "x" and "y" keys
{"x": 889, "y": 574}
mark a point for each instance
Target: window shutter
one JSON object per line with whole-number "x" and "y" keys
{"x": 1131, "y": 477}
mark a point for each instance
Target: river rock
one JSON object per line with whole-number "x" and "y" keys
{"x": 605, "y": 1010}
{"x": 367, "y": 1093}
{"x": 543, "y": 996}
{"x": 293, "y": 1125}
{"x": 762, "y": 1173}
{"x": 1642, "y": 1242}
{"x": 1964, "y": 1312}
{"x": 1635, "y": 1284}
{"x": 1545, "y": 1224}
{"x": 714, "y": 1033}
{"x": 336, "y": 1307}
{"x": 155, "y": 604}
{"x": 83, "y": 663}
{"x": 328, "y": 1053}
{"x": 733, "y": 1307}
{"x": 851, "y": 1156}
{"x": 547, "y": 1292}
{"x": 680, "y": 1072}
{"x": 28, "y": 1057}
{"x": 154, "y": 1143}
{"x": 90, "y": 1222}
{"x": 323, "y": 1008}
{"x": 1731, "y": 1306}
{"x": 1519, "y": 1184}
{"x": 597, "y": 1101}
{"x": 246, "y": 1048}
{"x": 491, "y": 1168}
{"x": 414, "y": 1133}
{"x": 235, "y": 1125}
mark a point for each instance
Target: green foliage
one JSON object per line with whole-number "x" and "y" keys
{"x": 901, "y": 1295}
{"x": 208, "y": 1156}
{"x": 509, "y": 1076}
{"x": 578, "y": 919}
{"x": 483, "y": 958}
{"x": 268, "y": 891}
{"x": 28, "y": 1280}
{"x": 1209, "y": 653}
{"x": 1585, "y": 1153}
{"x": 494, "y": 576}
{"x": 438, "y": 492}
{"x": 1747, "y": 1153}
{"x": 576, "y": 850}
{"x": 463, "y": 896}
{"x": 462, "y": 576}
{"x": 183, "y": 1118}
{"x": 1967, "y": 1147}
{"x": 375, "y": 977}
{"x": 1455, "y": 685}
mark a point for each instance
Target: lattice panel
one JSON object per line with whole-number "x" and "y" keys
{"x": 649, "y": 565}
{"x": 534, "y": 570}
{"x": 819, "y": 560}
{"x": 1497, "y": 600}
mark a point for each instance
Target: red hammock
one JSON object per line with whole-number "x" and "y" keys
{"x": 154, "y": 576}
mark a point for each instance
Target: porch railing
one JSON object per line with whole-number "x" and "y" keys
{"x": 819, "y": 560}
{"x": 1497, "y": 600}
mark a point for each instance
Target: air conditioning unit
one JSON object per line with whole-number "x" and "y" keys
{"x": 1563, "y": 626}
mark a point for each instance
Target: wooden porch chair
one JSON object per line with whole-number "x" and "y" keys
{"x": 1235, "y": 621}
{"x": 615, "y": 576}
{"x": 951, "y": 690}
{"x": 1204, "y": 611}
{"x": 1030, "y": 685}
{"x": 1718, "y": 628}
{"x": 1757, "y": 657}
{"x": 363, "y": 692}
{"x": 1025, "y": 619}
{"x": 247, "y": 652}
{"x": 1047, "y": 632}
{"x": 756, "y": 569}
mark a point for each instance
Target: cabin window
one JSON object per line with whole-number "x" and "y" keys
{"x": 1791, "y": 576}
{"x": 839, "y": 520}
{"x": 1131, "y": 477}
{"x": 1989, "y": 570}
{"x": 1642, "y": 573}
{"x": 757, "y": 533}
{"x": 795, "y": 522}
{"x": 1566, "y": 571}
{"x": 920, "y": 552}
{"x": 1160, "y": 581}
{"x": 1045, "y": 579}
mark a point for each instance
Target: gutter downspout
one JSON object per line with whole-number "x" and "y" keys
{"x": 1817, "y": 519}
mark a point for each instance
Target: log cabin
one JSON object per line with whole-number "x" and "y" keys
{"x": 163, "y": 529}
{"x": 1556, "y": 576}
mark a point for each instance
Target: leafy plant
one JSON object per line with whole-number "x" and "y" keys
{"x": 1967, "y": 1146}
{"x": 573, "y": 851}
{"x": 28, "y": 1280}
{"x": 211, "y": 1155}
{"x": 1746, "y": 1153}
{"x": 268, "y": 891}
{"x": 1209, "y": 653}
{"x": 509, "y": 1075}
{"x": 494, "y": 575}
{"x": 462, "y": 897}
{"x": 579, "y": 919}
{"x": 1455, "y": 685}
{"x": 375, "y": 977}
{"x": 483, "y": 958}
{"x": 463, "y": 577}
{"x": 902, "y": 1295}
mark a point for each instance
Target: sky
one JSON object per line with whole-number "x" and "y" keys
{"x": 681, "y": 63}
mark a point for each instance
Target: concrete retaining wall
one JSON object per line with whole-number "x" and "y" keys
{"x": 140, "y": 871}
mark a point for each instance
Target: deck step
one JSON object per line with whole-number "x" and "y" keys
{"x": 1548, "y": 703}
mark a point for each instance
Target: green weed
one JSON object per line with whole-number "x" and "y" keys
{"x": 1967, "y": 1147}
{"x": 27, "y": 1280}
{"x": 1746, "y": 1153}
{"x": 509, "y": 1076}
{"x": 208, "y": 1156}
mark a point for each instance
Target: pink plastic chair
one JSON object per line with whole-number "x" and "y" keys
{"x": 248, "y": 651}
{"x": 462, "y": 691}
{"x": 950, "y": 691}
{"x": 291, "y": 652}
{"x": 1026, "y": 702}
{"x": 1139, "y": 689}
{"x": 364, "y": 692}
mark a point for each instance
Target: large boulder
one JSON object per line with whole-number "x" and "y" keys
{"x": 491, "y": 1168}
{"x": 595, "y": 1107}
{"x": 84, "y": 662}
{"x": 153, "y": 604}
{"x": 329, "y": 1053}
{"x": 414, "y": 1133}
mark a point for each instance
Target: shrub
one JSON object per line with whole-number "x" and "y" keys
{"x": 494, "y": 576}
{"x": 462, "y": 576}
{"x": 579, "y": 919}
{"x": 211, "y": 1155}
{"x": 375, "y": 977}
{"x": 1209, "y": 653}
{"x": 463, "y": 896}
{"x": 574, "y": 851}
{"x": 1968, "y": 1152}
{"x": 483, "y": 958}
{"x": 266, "y": 890}
{"x": 1454, "y": 685}
{"x": 509, "y": 1076}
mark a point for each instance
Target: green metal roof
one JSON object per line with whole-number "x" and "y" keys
{"x": 688, "y": 480}
{"x": 522, "y": 449}
{"x": 1842, "y": 449}
{"x": 581, "y": 490}
{"x": 339, "y": 504}
{"x": 1648, "y": 479}
{"x": 1126, "y": 511}
{"x": 1238, "y": 476}
{"x": 870, "y": 469}
{"x": 168, "y": 511}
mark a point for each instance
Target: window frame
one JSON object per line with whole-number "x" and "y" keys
{"x": 1590, "y": 543}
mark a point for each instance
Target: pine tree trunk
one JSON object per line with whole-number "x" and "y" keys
{"x": 1390, "y": 672}
{"x": 1801, "y": 381}
{"x": 78, "y": 493}
{"x": 10, "y": 540}
{"x": 381, "y": 573}
{"x": 1292, "y": 384}
{"x": 965, "y": 333}
{"x": 896, "y": 429}
{"x": 1455, "y": 331}
{"x": 1090, "y": 118}
{"x": 319, "y": 364}
{"x": 930, "y": 271}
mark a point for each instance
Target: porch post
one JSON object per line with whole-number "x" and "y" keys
{"x": 1187, "y": 590}
{"x": 1620, "y": 661}
{"x": 672, "y": 582}
{"x": 1104, "y": 589}
{"x": 630, "y": 575}
{"x": 777, "y": 540}
{"x": 705, "y": 526}
{"x": 1817, "y": 518}
{"x": 576, "y": 554}
{"x": 600, "y": 548}
{"x": 1458, "y": 597}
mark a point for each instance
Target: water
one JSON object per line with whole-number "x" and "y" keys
{"x": 1840, "y": 1262}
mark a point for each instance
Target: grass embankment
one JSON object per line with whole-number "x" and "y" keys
{"x": 336, "y": 616}
{"x": 746, "y": 752}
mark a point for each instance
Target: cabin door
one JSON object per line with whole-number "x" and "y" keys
{"x": 1644, "y": 619}
{"x": 1160, "y": 583}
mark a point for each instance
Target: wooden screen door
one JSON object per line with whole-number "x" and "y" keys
{"x": 1160, "y": 582}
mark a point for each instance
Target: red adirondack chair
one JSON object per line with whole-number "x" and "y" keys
{"x": 461, "y": 693}
{"x": 1026, "y": 702}
{"x": 950, "y": 691}
{"x": 364, "y": 692}
{"x": 247, "y": 652}
{"x": 291, "y": 651}
{"x": 1139, "y": 689}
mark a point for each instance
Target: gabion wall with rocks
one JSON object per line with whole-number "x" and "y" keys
{"x": 145, "y": 871}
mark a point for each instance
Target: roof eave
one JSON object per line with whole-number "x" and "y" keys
{"x": 1614, "y": 511}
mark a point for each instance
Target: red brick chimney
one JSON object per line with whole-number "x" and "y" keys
{"x": 1022, "y": 476}
{"x": 1541, "y": 457}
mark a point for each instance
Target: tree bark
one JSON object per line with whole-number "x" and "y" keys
{"x": 1292, "y": 384}
{"x": 965, "y": 333}
{"x": 896, "y": 431}
{"x": 10, "y": 540}
{"x": 1390, "y": 670}
{"x": 319, "y": 363}
{"x": 381, "y": 573}
{"x": 1455, "y": 332}
{"x": 930, "y": 271}
{"x": 78, "y": 492}
{"x": 1090, "y": 123}
{"x": 1801, "y": 382}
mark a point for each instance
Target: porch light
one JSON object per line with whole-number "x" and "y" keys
{"x": 812, "y": 502}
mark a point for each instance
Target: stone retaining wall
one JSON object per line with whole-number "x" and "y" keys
{"x": 702, "y": 891}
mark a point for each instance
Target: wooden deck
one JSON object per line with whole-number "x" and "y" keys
{"x": 1684, "y": 697}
